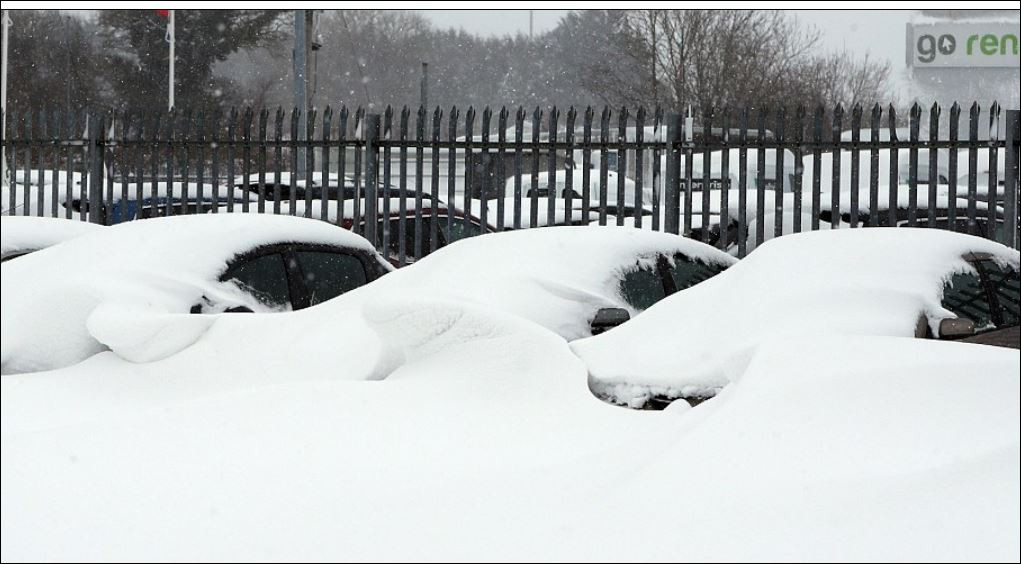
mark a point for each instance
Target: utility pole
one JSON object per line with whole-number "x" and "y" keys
{"x": 424, "y": 95}
{"x": 67, "y": 72}
{"x": 301, "y": 83}
{"x": 171, "y": 32}
{"x": 5, "y": 22}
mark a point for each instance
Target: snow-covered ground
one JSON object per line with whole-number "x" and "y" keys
{"x": 481, "y": 450}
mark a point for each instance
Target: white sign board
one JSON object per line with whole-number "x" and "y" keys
{"x": 975, "y": 44}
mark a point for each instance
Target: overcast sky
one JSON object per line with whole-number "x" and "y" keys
{"x": 878, "y": 32}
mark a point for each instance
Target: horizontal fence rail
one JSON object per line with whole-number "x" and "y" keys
{"x": 413, "y": 180}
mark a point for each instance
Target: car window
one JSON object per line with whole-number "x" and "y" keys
{"x": 393, "y": 245}
{"x": 328, "y": 274}
{"x": 687, "y": 272}
{"x": 264, "y": 277}
{"x": 460, "y": 229}
{"x": 642, "y": 287}
{"x": 965, "y": 296}
{"x": 1006, "y": 287}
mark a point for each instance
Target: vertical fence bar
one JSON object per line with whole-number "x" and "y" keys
{"x": 973, "y": 141}
{"x": 71, "y": 134}
{"x": 781, "y": 173}
{"x": 569, "y": 166}
{"x": 820, "y": 114}
{"x": 551, "y": 166}
{"x": 200, "y": 162}
{"x": 725, "y": 185}
{"x": 340, "y": 198}
{"x": 246, "y": 160}
{"x": 519, "y": 126}
{"x": 856, "y": 112}
{"x": 689, "y": 158}
{"x": 707, "y": 169}
{"x": 639, "y": 165}
{"x": 955, "y": 119}
{"x": 402, "y": 203}
{"x": 933, "y": 162}
{"x": 356, "y": 196}
{"x": 659, "y": 135}
{"x": 586, "y": 163}
{"x": 123, "y": 154}
{"x": 434, "y": 152}
{"x": 186, "y": 164}
{"x": 55, "y": 133}
{"x": 874, "y": 124}
{"x": 452, "y": 162}
{"x": 838, "y": 153}
{"x": 26, "y": 196}
{"x": 387, "y": 135}
{"x": 154, "y": 158}
{"x": 371, "y": 170}
{"x": 672, "y": 188}
{"x": 604, "y": 163}
{"x": 799, "y": 167}
{"x": 760, "y": 179}
{"x": 621, "y": 199}
{"x": 214, "y": 150}
{"x": 893, "y": 198}
{"x": 533, "y": 191}
{"x": 469, "y": 177}
{"x": 324, "y": 195}
{"x": 308, "y": 150}
{"x": 742, "y": 187}
{"x": 501, "y": 136}
{"x": 138, "y": 156}
{"x": 993, "y": 181}
{"x": 916, "y": 114}
{"x": 263, "y": 119}
{"x": 419, "y": 173}
{"x": 487, "y": 117}
{"x": 40, "y": 177}
{"x": 108, "y": 174}
{"x": 96, "y": 130}
{"x": 278, "y": 150}
{"x": 292, "y": 184}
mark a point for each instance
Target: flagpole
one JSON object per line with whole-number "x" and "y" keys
{"x": 171, "y": 39}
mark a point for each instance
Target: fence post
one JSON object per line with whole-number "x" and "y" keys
{"x": 1011, "y": 187}
{"x": 371, "y": 168}
{"x": 97, "y": 166}
{"x": 672, "y": 182}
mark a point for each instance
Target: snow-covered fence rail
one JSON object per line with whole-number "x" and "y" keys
{"x": 407, "y": 179}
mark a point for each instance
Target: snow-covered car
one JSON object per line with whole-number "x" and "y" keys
{"x": 879, "y": 281}
{"x": 20, "y": 235}
{"x": 119, "y": 287}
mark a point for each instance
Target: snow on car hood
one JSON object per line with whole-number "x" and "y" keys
{"x": 557, "y": 277}
{"x": 21, "y": 233}
{"x": 875, "y": 281}
{"x": 61, "y": 305}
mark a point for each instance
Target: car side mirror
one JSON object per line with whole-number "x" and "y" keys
{"x": 956, "y": 327}
{"x": 607, "y": 318}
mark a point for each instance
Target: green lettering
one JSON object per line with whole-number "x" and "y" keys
{"x": 970, "y": 41}
{"x": 1010, "y": 37}
{"x": 989, "y": 44}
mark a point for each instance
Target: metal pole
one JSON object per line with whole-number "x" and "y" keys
{"x": 1010, "y": 181}
{"x": 531, "y": 23}
{"x": 301, "y": 84}
{"x": 371, "y": 171}
{"x": 6, "y": 23}
{"x": 672, "y": 207}
{"x": 171, "y": 38}
{"x": 425, "y": 85}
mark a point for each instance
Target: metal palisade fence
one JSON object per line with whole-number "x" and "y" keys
{"x": 413, "y": 181}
